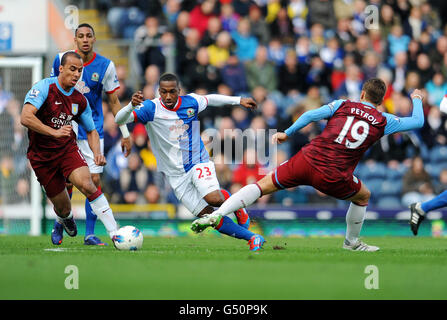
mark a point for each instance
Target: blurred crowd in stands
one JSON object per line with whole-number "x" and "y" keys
{"x": 291, "y": 56}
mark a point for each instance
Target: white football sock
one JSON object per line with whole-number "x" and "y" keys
{"x": 101, "y": 208}
{"x": 241, "y": 199}
{"x": 354, "y": 221}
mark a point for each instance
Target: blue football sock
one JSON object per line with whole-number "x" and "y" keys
{"x": 228, "y": 227}
{"x": 435, "y": 203}
{"x": 90, "y": 219}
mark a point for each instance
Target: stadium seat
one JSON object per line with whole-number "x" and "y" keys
{"x": 389, "y": 202}
{"x": 424, "y": 153}
{"x": 374, "y": 185}
{"x": 369, "y": 171}
{"x": 434, "y": 169}
{"x": 390, "y": 188}
{"x": 358, "y": 169}
{"x": 438, "y": 154}
{"x": 396, "y": 174}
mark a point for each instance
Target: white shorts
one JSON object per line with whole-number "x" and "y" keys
{"x": 194, "y": 185}
{"x": 88, "y": 155}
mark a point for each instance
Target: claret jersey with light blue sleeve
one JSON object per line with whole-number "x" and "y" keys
{"x": 351, "y": 129}
{"x": 174, "y": 133}
{"x": 56, "y": 108}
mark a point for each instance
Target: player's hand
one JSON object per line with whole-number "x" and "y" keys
{"x": 62, "y": 132}
{"x": 137, "y": 98}
{"x": 417, "y": 94}
{"x": 249, "y": 103}
{"x": 100, "y": 160}
{"x": 126, "y": 146}
{"x": 279, "y": 138}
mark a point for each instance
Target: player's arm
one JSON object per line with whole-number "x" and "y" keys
{"x": 111, "y": 84}
{"x": 125, "y": 115}
{"x": 34, "y": 99}
{"x": 307, "y": 117}
{"x": 136, "y": 110}
{"x": 416, "y": 121}
{"x": 220, "y": 100}
{"x": 28, "y": 119}
{"x": 86, "y": 121}
{"x": 115, "y": 106}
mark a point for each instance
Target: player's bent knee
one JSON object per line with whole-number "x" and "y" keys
{"x": 363, "y": 199}
{"x": 96, "y": 179}
{"x": 266, "y": 185}
{"x": 87, "y": 188}
{"x": 214, "y": 199}
{"x": 361, "y": 203}
{"x": 62, "y": 210}
{"x": 206, "y": 210}
{"x": 215, "y": 202}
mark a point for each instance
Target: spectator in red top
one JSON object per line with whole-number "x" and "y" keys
{"x": 249, "y": 171}
{"x": 200, "y": 15}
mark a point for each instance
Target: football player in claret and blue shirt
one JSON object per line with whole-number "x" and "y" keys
{"x": 98, "y": 75}
{"x": 48, "y": 111}
{"x": 328, "y": 162}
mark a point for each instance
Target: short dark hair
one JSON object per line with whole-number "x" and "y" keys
{"x": 168, "y": 77}
{"x": 84, "y": 25}
{"x": 69, "y": 54}
{"x": 375, "y": 90}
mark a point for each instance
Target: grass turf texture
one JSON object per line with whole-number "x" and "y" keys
{"x": 204, "y": 267}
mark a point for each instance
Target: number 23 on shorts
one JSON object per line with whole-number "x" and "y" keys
{"x": 203, "y": 172}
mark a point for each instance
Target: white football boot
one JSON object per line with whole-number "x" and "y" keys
{"x": 359, "y": 246}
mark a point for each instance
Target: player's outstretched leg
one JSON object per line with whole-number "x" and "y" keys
{"x": 101, "y": 208}
{"x": 81, "y": 179}
{"x": 226, "y": 226}
{"x": 91, "y": 217}
{"x": 241, "y": 199}
{"x": 243, "y": 219}
{"x": 417, "y": 216}
{"x": 57, "y": 233}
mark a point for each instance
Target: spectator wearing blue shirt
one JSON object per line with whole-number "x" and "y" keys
{"x": 246, "y": 43}
{"x": 397, "y": 41}
{"x": 436, "y": 89}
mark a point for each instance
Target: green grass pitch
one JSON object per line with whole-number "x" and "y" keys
{"x": 207, "y": 267}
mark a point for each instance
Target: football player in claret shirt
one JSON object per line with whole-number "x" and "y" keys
{"x": 327, "y": 163}
{"x": 98, "y": 75}
{"x": 49, "y": 109}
